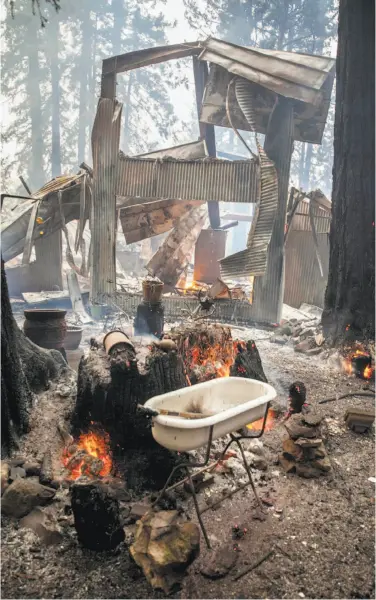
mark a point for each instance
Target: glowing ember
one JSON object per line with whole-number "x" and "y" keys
{"x": 270, "y": 422}
{"x": 91, "y": 456}
{"x": 353, "y": 364}
{"x": 219, "y": 357}
{"x": 368, "y": 372}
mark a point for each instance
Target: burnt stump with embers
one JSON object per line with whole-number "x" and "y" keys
{"x": 109, "y": 390}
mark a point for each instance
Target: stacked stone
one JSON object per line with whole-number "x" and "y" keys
{"x": 306, "y": 336}
{"x": 304, "y": 451}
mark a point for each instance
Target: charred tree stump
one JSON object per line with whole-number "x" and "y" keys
{"x": 96, "y": 516}
{"x": 209, "y": 351}
{"x": 248, "y": 363}
{"x": 109, "y": 390}
{"x": 25, "y": 368}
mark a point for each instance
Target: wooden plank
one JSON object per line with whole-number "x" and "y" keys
{"x": 147, "y": 220}
{"x": 29, "y": 234}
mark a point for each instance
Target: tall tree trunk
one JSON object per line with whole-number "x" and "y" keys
{"x": 36, "y": 174}
{"x": 350, "y": 295}
{"x": 25, "y": 368}
{"x": 83, "y": 74}
{"x": 93, "y": 75}
{"x": 55, "y": 96}
{"x": 16, "y": 397}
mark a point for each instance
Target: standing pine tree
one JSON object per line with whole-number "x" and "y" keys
{"x": 350, "y": 295}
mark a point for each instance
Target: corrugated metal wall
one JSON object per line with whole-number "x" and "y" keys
{"x": 206, "y": 180}
{"x": 303, "y": 281}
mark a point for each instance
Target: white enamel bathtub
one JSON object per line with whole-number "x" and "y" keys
{"x": 234, "y": 400}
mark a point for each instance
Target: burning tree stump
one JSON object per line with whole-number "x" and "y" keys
{"x": 209, "y": 351}
{"x": 110, "y": 388}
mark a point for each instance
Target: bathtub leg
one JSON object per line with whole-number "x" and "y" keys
{"x": 235, "y": 439}
{"x": 197, "y": 509}
{"x": 187, "y": 468}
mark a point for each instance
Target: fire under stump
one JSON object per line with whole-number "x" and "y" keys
{"x": 112, "y": 388}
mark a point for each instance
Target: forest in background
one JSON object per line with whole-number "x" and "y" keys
{"x": 51, "y": 76}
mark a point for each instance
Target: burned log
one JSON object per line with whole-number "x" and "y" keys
{"x": 96, "y": 516}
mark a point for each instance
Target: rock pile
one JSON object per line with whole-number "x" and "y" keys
{"x": 305, "y": 335}
{"x": 304, "y": 452}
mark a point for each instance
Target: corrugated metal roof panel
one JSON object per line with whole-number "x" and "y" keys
{"x": 293, "y": 75}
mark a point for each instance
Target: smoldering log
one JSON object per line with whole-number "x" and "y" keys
{"x": 96, "y": 516}
{"x": 209, "y": 351}
{"x": 109, "y": 390}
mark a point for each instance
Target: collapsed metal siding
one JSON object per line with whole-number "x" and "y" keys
{"x": 209, "y": 180}
{"x": 227, "y": 311}
{"x": 303, "y": 282}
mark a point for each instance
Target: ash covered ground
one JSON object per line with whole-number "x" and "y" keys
{"x": 321, "y": 531}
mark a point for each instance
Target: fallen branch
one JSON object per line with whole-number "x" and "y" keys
{"x": 369, "y": 394}
{"x": 254, "y": 566}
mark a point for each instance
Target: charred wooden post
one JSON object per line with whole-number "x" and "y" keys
{"x": 278, "y": 146}
{"x": 96, "y": 516}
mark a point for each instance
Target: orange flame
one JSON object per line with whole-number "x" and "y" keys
{"x": 96, "y": 446}
{"x": 368, "y": 372}
{"x": 220, "y": 358}
{"x": 348, "y": 367}
{"x": 270, "y": 422}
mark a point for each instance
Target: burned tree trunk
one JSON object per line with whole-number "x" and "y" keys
{"x": 25, "y": 368}
{"x": 16, "y": 396}
{"x": 350, "y": 295}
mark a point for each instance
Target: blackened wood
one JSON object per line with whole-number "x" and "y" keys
{"x": 96, "y": 516}
{"x": 248, "y": 363}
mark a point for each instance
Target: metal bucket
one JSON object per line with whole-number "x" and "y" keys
{"x": 73, "y": 337}
{"x": 152, "y": 291}
{"x": 114, "y": 339}
{"x": 46, "y": 328}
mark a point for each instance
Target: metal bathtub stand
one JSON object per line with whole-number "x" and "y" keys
{"x": 188, "y": 466}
